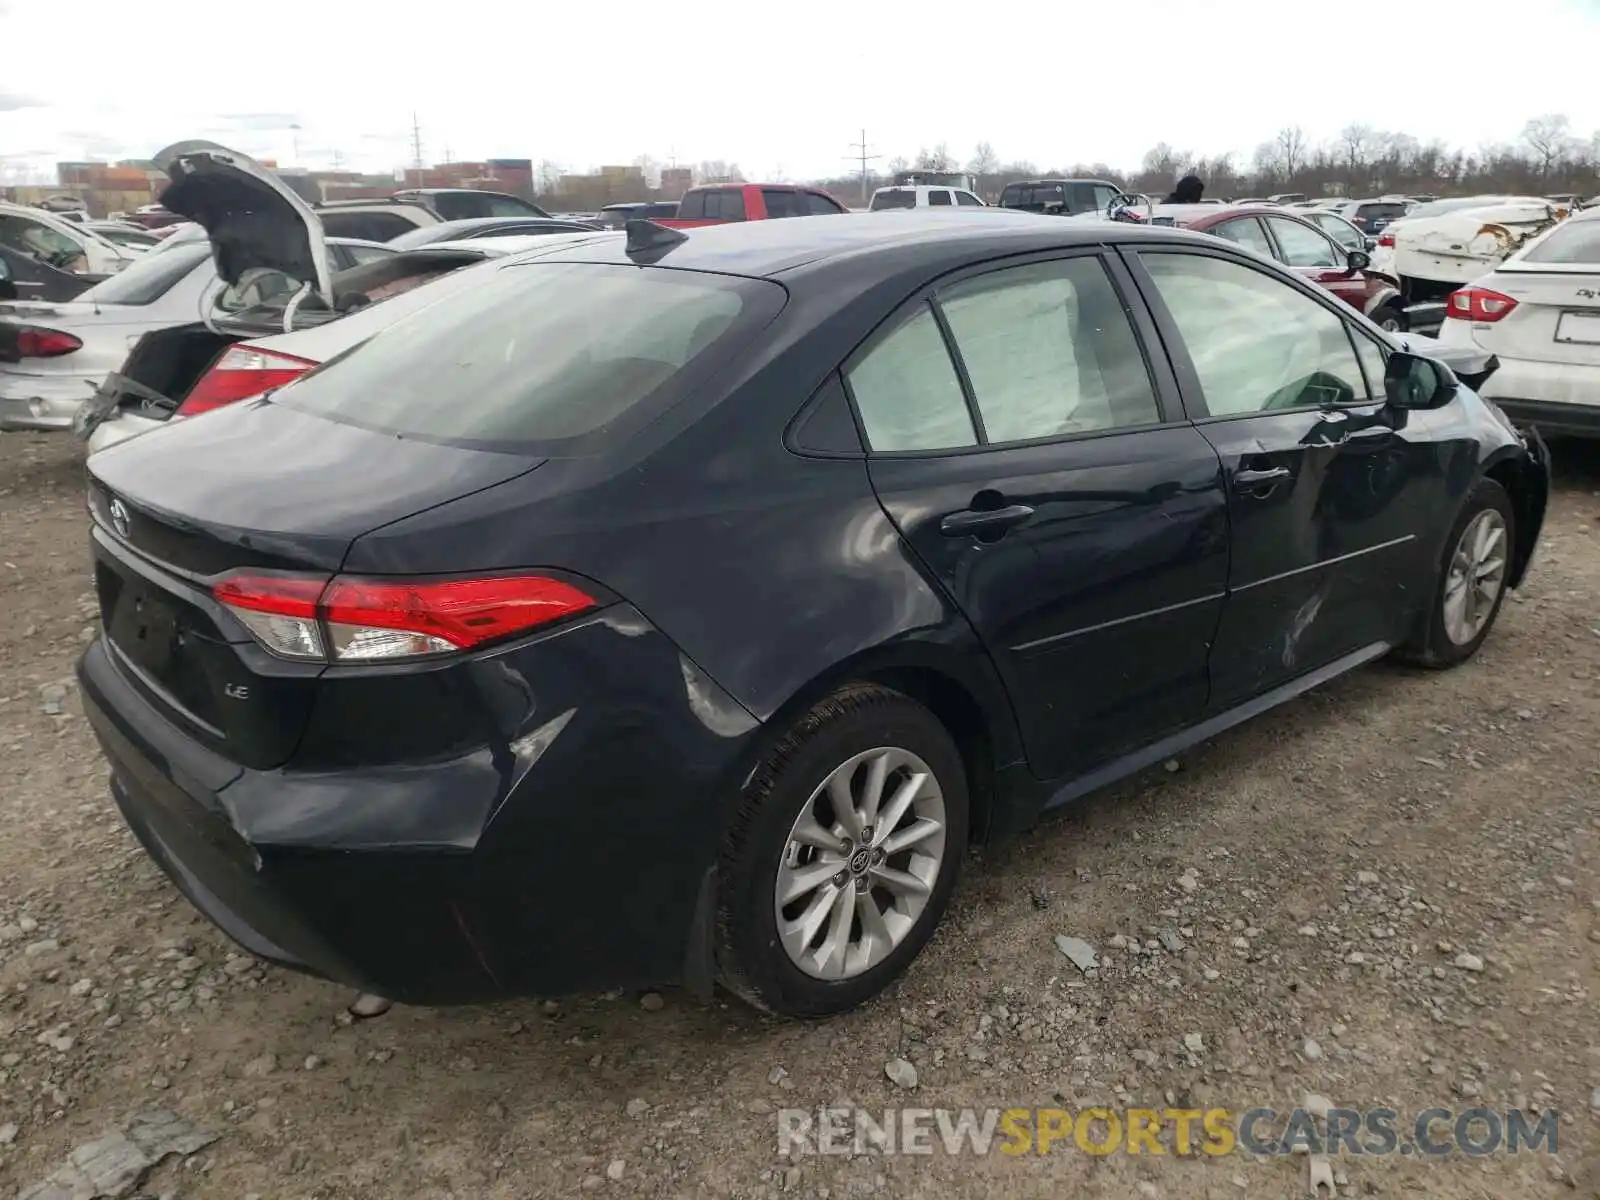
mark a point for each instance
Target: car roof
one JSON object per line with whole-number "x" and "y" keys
{"x": 814, "y": 245}
{"x": 1058, "y": 179}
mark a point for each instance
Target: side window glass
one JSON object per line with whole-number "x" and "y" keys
{"x": 782, "y": 203}
{"x": 1257, "y": 343}
{"x": 1049, "y": 351}
{"x": 1303, "y": 247}
{"x": 693, "y": 206}
{"x": 968, "y": 200}
{"x": 1374, "y": 360}
{"x": 907, "y": 391}
{"x": 1246, "y": 232}
{"x": 730, "y": 204}
{"x": 939, "y": 198}
{"x": 818, "y": 205}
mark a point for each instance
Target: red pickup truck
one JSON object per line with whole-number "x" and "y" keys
{"x": 715, "y": 204}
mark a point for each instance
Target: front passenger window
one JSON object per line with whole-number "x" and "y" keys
{"x": 1303, "y": 247}
{"x": 1258, "y": 344}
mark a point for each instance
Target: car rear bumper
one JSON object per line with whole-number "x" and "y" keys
{"x": 1560, "y": 399}
{"x": 41, "y": 401}
{"x": 590, "y": 868}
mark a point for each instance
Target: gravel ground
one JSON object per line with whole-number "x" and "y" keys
{"x": 1387, "y": 893}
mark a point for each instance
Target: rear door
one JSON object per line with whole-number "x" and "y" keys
{"x": 1328, "y": 496}
{"x": 1036, "y": 459}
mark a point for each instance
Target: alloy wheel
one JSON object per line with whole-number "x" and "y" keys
{"x": 1476, "y": 574}
{"x": 860, "y": 863}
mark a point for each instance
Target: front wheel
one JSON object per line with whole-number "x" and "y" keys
{"x": 841, "y": 856}
{"x": 1470, "y": 585}
{"x": 1389, "y": 317}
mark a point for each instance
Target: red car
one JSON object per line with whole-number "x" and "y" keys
{"x": 1297, "y": 243}
{"x": 716, "y": 203}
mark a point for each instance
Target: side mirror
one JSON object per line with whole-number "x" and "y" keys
{"x": 1358, "y": 260}
{"x": 1411, "y": 381}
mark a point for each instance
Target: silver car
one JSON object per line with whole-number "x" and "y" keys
{"x": 284, "y": 302}
{"x": 55, "y": 356}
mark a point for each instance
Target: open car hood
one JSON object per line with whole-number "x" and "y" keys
{"x": 254, "y": 220}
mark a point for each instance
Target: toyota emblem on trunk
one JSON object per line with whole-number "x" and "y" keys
{"x": 119, "y": 518}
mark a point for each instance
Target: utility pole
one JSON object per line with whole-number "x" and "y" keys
{"x": 416, "y": 147}
{"x": 863, "y": 157}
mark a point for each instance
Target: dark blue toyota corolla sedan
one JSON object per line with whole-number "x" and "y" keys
{"x": 679, "y": 609}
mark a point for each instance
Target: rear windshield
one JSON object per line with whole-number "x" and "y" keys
{"x": 542, "y": 353}
{"x": 895, "y": 199}
{"x": 459, "y": 206}
{"x": 151, "y": 277}
{"x": 1438, "y": 208}
{"x": 1032, "y": 195}
{"x": 1570, "y": 243}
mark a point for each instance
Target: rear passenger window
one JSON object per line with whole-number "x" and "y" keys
{"x": 1049, "y": 351}
{"x": 782, "y": 203}
{"x": 907, "y": 392}
{"x": 937, "y": 198}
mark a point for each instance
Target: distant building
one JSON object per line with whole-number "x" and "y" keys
{"x": 675, "y": 181}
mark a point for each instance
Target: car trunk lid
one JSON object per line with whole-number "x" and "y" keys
{"x": 254, "y": 221}
{"x": 1556, "y": 318}
{"x": 176, "y": 513}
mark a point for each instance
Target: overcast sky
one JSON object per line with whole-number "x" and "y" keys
{"x": 584, "y": 84}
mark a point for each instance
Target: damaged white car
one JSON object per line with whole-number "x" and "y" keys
{"x": 1538, "y": 313}
{"x": 1447, "y": 243}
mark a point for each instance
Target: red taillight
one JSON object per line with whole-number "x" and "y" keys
{"x": 1386, "y": 239}
{"x": 239, "y": 374}
{"x": 1478, "y": 304}
{"x": 348, "y": 619}
{"x": 33, "y": 342}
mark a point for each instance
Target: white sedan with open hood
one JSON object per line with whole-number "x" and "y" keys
{"x": 278, "y": 280}
{"x": 1538, "y": 313}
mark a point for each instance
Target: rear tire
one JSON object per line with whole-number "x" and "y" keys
{"x": 1470, "y": 584}
{"x": 818, "y": 910}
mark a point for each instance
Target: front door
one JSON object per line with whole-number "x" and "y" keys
{"x": 1041, "y": 469}
{"x": 1317, "y": 257}
{"x": 1325, "y": 492}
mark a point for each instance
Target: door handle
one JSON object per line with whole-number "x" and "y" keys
{"x": 1247, "y": 480}
{"x": 972, "y": 521}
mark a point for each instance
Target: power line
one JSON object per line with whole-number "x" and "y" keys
{"x": 863, "y": 157}
{"x": 416, "y": 143}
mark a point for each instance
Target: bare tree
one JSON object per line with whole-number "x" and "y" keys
{"x": 984, "y": 160}
{"x": 1355, "y": 140}
{"x": 1550, "y": 139}
{"x": 650, "y": 169}
{"x": 547, "y": 176}
{"x": 937, "y": 159}
{"x": 1290, "y": 147}
{"x": 898, "y": 164}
